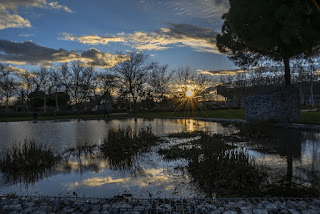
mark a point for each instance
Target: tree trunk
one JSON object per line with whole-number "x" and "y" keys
{"x": 7, "y": 103}
{"x": 311, "y": 89}
{"x": 287, "y": 76}
{"x": 57, "y": 106}
{"x": 44, "y": 104}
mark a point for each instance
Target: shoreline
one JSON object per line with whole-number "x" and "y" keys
{"x": 307, "y": 127}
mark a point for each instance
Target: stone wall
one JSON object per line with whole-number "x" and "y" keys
{"x": 277, "y": 104}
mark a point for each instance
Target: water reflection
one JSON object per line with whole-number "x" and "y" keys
{"x": 61, "y": 135}
{"x": 292, "y": 155}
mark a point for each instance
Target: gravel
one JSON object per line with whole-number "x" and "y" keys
{"x": 64, "y": 205}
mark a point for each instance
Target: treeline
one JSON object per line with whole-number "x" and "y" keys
{"x": 82, "y": 87}
{"x": 304, "y": 74}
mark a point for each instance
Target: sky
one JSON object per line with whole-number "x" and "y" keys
{"x": 178, "y": 33}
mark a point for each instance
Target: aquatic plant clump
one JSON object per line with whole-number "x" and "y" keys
{"x": 217, "y": 167}
{"x": 121, "y": 144}
{"x": 27, "y": 161}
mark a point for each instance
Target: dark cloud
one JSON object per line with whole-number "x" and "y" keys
{"x": 31, "y": 53}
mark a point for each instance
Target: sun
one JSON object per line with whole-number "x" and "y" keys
{"x": 189, "y": 93}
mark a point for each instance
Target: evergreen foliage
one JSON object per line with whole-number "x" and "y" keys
{"x": 280, "y": 30}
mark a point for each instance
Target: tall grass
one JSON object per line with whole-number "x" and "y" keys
{"x": 27, "y": 161}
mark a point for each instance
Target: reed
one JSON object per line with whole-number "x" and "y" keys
{"x": 218, "y": 167}
{"x": 27, "y": 161}
{"x": 122, "y": 144}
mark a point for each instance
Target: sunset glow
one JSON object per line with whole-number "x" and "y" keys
{"x": 189, "y": 93}
{"x": 177, "y": 32}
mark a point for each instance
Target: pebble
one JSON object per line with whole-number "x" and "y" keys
{"x": 39, "y": 205}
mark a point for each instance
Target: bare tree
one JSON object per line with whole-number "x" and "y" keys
{"x": 57, "y": 84}
{"x": 159, "y": 80}
{"x": 106, "y": 86}
{"x": 203, "y": 87}
{"x": 80, "y": 82}
{"x": 132, "y": 74}
{"x": 25, "y": 87}
{"x": 8, "y": 83}
{"x": 40, "y": 81}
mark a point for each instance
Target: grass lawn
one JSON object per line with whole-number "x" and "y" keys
{"x": 310, "y": 118}
{"x": 306, "y": 117}
{"x": 227, "y": 114}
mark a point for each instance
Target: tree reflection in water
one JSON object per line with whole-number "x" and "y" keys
{"x": 118, "y": 151}
{"x": 292, "y": 165}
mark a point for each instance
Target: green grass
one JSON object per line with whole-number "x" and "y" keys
{"x": 228, "y": 114}
{"x": 310, "y": 118}
{"x": 306, "y": 117}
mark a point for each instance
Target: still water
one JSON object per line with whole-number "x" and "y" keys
{"x": 94, "y": 177}
{"x": 296, "y": 154}
{"x": 70, "y": 134}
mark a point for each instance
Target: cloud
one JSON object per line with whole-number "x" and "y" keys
{"x": 57, "y": 6}
{"x": 31, "y": 53}
{"x": 15, "y": 4}
{"x": 8, "y": 20}
{"x": 209, "y": 10}
{"x": 92, "y": 39}
{"x": 26, "y": 34}
{"x": 9, "y": 17}
{"x": 101, "y": 59}
{"x": 200, "y": 39}
{"x": 222, "y": 72}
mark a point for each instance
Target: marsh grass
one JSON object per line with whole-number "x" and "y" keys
{"x": 218, "y": 167}
{"x": 28, "y": 161}
{"x": 227, "y": 173}
{"x": 122, "y": 144}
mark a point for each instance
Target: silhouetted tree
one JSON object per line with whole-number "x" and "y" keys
{"x": 159, "y": 81}
{"x": 132, "y": 74}
{"x": 40, "y": 80}
{"x": 80, "y": 82}
{"x": 281, "y": 30}
{"x": 8, "y": 84}
{"x": 25, "y": 87}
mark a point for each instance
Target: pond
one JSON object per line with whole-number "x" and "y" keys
{"x": 295, "y": 154}
{"x": 72, "y": 133}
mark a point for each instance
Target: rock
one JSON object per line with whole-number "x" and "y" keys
{"x": 310, "y": 211}
{"x": 259, "y": 211}
{"x": 230, "y": 212}
{"x": 218, "y": 211}
{"x": 293, "y": 211}
{"x": 245, "y": 210}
